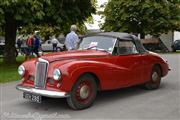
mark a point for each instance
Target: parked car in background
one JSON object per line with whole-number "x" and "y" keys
{"x": 176, "y": 45}
{"x": 154, "y": 45}
{"x": 47, "y": 46}
{"x": 104, "y": 61}
{"x": 2, "y": 44}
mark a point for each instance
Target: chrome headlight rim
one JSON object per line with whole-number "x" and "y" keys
{"x": 21, "y": 70}
{"x": 56, "y": 74}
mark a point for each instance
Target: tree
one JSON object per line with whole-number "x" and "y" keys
{"x": 142, "y": 16}
{"x": 53, "y": 13}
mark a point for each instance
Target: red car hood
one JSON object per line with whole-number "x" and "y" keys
{"x": 74, "y": 55}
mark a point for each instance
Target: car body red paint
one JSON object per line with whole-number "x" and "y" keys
{"x": 110, "y": 71}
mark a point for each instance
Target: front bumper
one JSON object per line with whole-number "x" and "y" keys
{"x": 47, "y": 93}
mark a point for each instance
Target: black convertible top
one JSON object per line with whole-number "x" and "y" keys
{"x": 121, "y": 36}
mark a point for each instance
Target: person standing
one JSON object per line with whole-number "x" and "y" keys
{"x": 72, "y": 39}
{"x": 29, "y": 43}
{"x": 54, "y": 44}
{"x": 19, "y": 43}
{"x": 36, "y": 45}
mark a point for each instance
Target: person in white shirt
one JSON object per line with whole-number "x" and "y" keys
{"x": 72, "y": 39}
{"x": 54, "y": 43}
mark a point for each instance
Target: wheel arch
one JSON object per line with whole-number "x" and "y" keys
{"x": 96, "y": 78}
{"x": 74, "y": 69}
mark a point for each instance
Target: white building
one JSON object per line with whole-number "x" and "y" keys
{"x": 168, "y": 38}
{"x": 176, "y": 35}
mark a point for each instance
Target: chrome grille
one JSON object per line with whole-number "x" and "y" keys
{"x": 40, "y": 78}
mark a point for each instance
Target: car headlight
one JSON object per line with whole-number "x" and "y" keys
{"x": 21, "y": 70}
{"x": 56, "y": 74}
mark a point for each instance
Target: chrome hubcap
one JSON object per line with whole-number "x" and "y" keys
{"x": 155, "y": 76}
{"x": 84, "y": 92}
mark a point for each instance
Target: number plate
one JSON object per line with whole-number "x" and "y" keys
{"x": 32, "y": 97}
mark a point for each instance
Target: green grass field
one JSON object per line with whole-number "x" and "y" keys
{"x": 177, "y": 52}
{"x": 9, "y": 72}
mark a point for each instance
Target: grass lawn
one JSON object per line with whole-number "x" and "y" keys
{"x": 9, "y": 72}
{"x": 177, "y": 52}
{"x": 160, "y": 52}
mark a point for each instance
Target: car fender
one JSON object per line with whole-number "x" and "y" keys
{"x": 73, "y": 70}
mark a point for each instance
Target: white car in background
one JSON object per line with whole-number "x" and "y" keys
{"x": 47, "y": 46}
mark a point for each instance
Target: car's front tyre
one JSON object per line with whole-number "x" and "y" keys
{"x": 83, "y": 93}
{"x": 155, "y": 79}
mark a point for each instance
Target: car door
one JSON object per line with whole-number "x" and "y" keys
{"x": 128, "y": 62}
{"x": 178, "y": 45}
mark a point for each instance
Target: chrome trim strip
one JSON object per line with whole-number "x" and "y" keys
{"x": 47, "y": 93}
{"x": 41, "y": 73}
{"x": 45, "y": 61}
{"x": 114, "y": 45}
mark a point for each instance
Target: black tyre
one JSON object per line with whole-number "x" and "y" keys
{"x": 59, "y": 49}
{"x": 83, "y": 93}
{"x": 155, "y": 79}
{"x": 174, "y": 50}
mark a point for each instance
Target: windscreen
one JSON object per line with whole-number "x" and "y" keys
{"x": 98, "y": 42}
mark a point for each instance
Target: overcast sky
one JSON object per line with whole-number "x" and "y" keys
{"x": 96, "y": 17}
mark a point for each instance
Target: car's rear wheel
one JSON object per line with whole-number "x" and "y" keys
{"x": 155, "y": 79}
{"x": 173, "y": 49}
{"x": 59, "y": 49}
{"x": 83, "y": 93}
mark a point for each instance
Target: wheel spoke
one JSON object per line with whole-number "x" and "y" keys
{"x": 84, "y": 92}
{"x": 155, "y": 76}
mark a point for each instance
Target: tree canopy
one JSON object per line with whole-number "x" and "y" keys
{"x": 142, "y": 16}
{"x": 57, "y": 14}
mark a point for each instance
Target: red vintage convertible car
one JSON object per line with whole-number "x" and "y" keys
{"x": 104, "y": 61}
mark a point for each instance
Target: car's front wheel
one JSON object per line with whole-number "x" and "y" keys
{"x": 83, "y": 93}
{"x": 155, "y": 79}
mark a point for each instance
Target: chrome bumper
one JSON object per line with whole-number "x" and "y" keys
{"x": 47, "y": 93}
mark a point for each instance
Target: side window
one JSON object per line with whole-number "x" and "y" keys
{"x": 125, "y": 48}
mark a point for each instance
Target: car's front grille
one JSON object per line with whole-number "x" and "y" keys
{"x": 40, "y": 78}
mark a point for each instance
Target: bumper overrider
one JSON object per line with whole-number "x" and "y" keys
{"x": 42, "y": 92}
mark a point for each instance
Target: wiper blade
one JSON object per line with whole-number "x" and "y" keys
{"x": 102, "y": 50}
{"x": 91, "y": 47}
{"x": 96, "y": 48}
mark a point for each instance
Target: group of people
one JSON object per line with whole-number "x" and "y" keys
{"x": 71, "y": 42}
{"x": 33, "y": 45}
